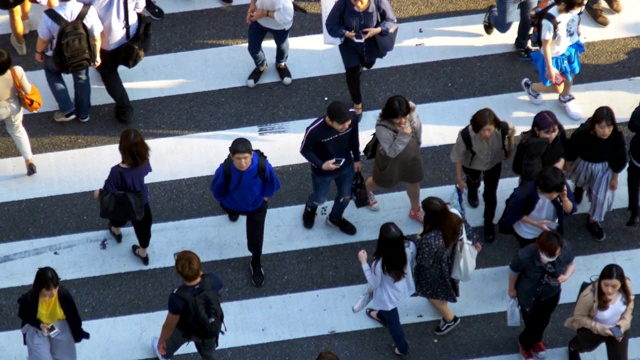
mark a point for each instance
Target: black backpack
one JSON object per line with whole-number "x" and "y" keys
{"x": 203, "y": 314}
{"x": 466, "y": 138}
{"x": 262, "y": 167}
{"x": 537, "y": 16}
{"x": 73, "y": 51}
{"x": 520, "y": 149}
{"x": 504, "y": 229}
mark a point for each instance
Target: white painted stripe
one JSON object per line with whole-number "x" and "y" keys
{"x": 199, "y": 154}
{"x": 283, "y": 224}
{"x": 257, "y": 321}
{"x": 562, "y": 353}
{"x": 450, "y": 38}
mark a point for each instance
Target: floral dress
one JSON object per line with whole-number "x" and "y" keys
{"x": 432, "y": 273}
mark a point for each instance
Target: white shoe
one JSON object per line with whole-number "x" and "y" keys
{"x": 154, "y": 344}
{"x": 60, "y": 116}
{"x": 21, "y": 49}
{"x": 373, "y": 203}
{"x": 26, "y": 26}
{"x": 534, "y": 97}
{"x": 570, "y": 105}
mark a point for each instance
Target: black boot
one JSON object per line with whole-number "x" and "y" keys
{"x": 633, "y": 220}
{"x": 489, "y": 233}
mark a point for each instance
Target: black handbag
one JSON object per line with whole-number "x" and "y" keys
{"x": 134, "y": 50}
{"x": 387, "y": 42}
{"x": 121, "y": 205}
{"x": 371, "y": 148}
{"x": 359, "y": 191}
{"x": 10, "y": 4}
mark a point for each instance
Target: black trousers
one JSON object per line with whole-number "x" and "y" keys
{"x": 108, "y": 70}
{"x": 633, "y": 184}
{"x": 586, "y": 341}
{"x": 142, "y": 228}
{"x": 536, "y": 321}
{"x": 255, "y": 230}
{"x": 490, "y": 196}
{"x": 522, "y": 241}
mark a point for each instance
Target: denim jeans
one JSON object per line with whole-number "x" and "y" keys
{"x": 257, "y": 33}
{"x": 391, "y": 319}
{"x": 81, "y": 89}
{"x": 498, "y": 18}
{"x": 321, "y": 183}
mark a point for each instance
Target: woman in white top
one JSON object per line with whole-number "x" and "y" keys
{"x": 603, "y": 314}
{"x": 391, "y": 280}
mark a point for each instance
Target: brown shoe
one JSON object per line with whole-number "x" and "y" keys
{"x": 597, "y": 15}
{"x": 614, "y": 5}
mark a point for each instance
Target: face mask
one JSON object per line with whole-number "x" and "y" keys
{"x": 546, "y": 258}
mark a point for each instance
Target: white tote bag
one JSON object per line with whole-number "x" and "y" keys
{"x": 464, "y": 261}
{"x": 513, "y": 312}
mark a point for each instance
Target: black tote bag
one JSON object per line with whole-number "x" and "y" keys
{"x": 134, "y": 50}
{"x": 359, "y": 191}
{"x": 121, "y": 205}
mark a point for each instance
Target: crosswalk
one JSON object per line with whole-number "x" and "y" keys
{"x": 191, "y": 102}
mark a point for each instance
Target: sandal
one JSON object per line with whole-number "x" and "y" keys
{"x": 116, "y": 237}
{"x": 369, "y": 312}
{"x": 145, "y": 260}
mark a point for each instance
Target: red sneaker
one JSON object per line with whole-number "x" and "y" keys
{"x": 526, "y": 354}
{"x": 539, "y": 351}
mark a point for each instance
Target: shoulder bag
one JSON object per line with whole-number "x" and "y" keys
{"x": 121, "y": 205}
{"x": 387, "y": 42}
{"x": 31, "y": 101}
{"x": 464, "y": 260}
{"x": 371, "y": 148}
{"x": 359, "y": 191}
{"x": 134, "y": 50}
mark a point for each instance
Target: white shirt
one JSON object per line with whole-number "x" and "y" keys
{"x": 544, "y": 210}
{"x": 111, "y": 13}
{"x": 567, "y": 31}
{"x": 613, "y": 314}
{"x": 69, "y": 10}
{"x": 387, "y": 294}
{"x": 282, "y": 18}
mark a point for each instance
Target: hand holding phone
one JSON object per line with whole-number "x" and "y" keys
{"x": 338, "y": 162}
{"x": 617, "y": 332}
{"x": 358, "y": 37}
{"x": 53, "y": 331}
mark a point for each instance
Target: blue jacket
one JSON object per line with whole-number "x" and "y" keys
{"x": 246, "y": 191}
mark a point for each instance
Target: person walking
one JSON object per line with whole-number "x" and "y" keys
{"x": 19, "y": 24}
{"x": 391, "y": 280}
{"x": 242, "y": 184}
{"x": 633, "y": 178}
{"x": 11, "y": 110}
{"x": 434, "y": 259}
{"x": 51, "y": 324}
{"x": 129, "y": 176}
{"x": 356, "y": 23}
{"x": 478, "y": 152}
{"x": 603, "y": 314}
{"x": 501, "y": 16}
{"x": 398, "y": 158}
{"x": 536, "y": 274}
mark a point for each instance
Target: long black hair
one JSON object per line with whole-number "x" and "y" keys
{"x": 390, "y": 250}
{"x": 612, "y": 272}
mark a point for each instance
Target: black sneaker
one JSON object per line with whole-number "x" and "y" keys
{"x": 445, "y": 327}
{"x": 524, "y": 52}
{"x": 255, "y": 76}
{"x": 489, "y": 233}
{"x": 596, "y": 230}
{"x": 285, "y": 74}
{"x": 578, "y": 194}
{"x": 472, "y": 197}
{"x": 633, "y": 220}
{"x": 31, "y": 169}
{"x": 233, "y": 216}
{"x": 342, "y": 225}
{"x": 257, "y": 275}
{"x": 309, "y": 217}
{"x": 152, "y": 10}
{"x": 486, "y": 23}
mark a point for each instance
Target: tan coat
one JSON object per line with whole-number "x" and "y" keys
{"x": 586, "y": 308}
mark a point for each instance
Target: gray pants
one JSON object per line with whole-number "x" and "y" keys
{"x": 19, "y": 135}
{"x": 41, "y": 347}
{"x": 205, "y": 348}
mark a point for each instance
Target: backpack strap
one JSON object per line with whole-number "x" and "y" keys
{"x": 83, "y": 12}
{"x": 504, "y": 129}
{"x": 262, "y": 167}
{"x": 466, "y": 138}
{"x": 57, "y": 18}
{"x": 552, "y": 19}
{"x": 16, "y": 82}
{"x": 126, "y": 19}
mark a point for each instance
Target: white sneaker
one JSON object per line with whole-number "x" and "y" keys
{"x": 571, "y": 106}
{"x": 26, "y": 26}
{"x": 60, "y": 116}
{"x": 536, "y": 98}
{"x": 21, "y": 49}
{"x": 373, "y": 203}
{"x": 154, "y": 344}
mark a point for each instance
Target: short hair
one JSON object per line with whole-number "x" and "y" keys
{"x": 544, "y": 120}
{"x": 46, "y": 279}
{"x": 133, "y": 149}
{"x": 327, "y": 355}
{"x": 396, "y": 107}
{"x": 240, "y": 146}
{"x": 482, "y": 118}
{"x": 188, "y": 265}
{"x": 603, "y": 114}
{"x": 5, "y": 61}
{"x": 549, "y": 242}
{"x": 339, "y": 113}
{"x": 551, "y": 180}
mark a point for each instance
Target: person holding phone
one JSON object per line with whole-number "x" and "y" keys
{"x": 51, "y": 324}
{"x": 603, "y": 314}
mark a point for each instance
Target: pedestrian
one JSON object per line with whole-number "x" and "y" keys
{"x": 536, "y": 274}
{"x": 633, "y": 178}
{"x": 48, "y": 34}
{"x": 129, "y": 176}
{"x": 537, "y": 206}
{"x": 541, "y": 147}
{"x": 391, "y": 280}
{"x": 502, "y": 15}
{"x": 398, "y": 158}
{"x": 51, "y": 324}
{"x": 434, "y": 259}
{"x": 603, "y": 314}
{"x": 182, "y": 325}
{"x": 19, "y": 24}
{"x": 595, "y": 10}
{"x": 276, "y": 18}
{"x": 598, "y": 151}
{"x": 558, "y": 61}
{"x": 242, "y": 184}
{"x": 332, "y": 147}
{"x": 11, "y": 110}
{"x": 356, "y": 23}
{"x": 478, "y": 153}
{"x": 114, "y": 36}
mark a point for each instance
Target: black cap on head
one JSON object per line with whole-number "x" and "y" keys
{"x": 240, "y": 146}
{"x": 339, "y": 112}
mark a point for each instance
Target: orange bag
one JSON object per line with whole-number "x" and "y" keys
{"x": 31, "y": 101}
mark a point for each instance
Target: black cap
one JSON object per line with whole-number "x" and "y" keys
{"x": 339, "y": 112}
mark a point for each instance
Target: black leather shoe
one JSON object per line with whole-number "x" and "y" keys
{"x": 633, "y": 220}
{"x": 472, "y": 197}
{"x": 578, "y": 194}
{"x": 233, "y": 216}
{"x": 489, "y": 233}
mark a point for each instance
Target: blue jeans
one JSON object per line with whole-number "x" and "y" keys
{"x": 391, "y": 319}
{"x": 81, "y": 89}
{"x": 498, "y": 18}
{"x": 321, "y": 183}
{"x": 257, "y": 33}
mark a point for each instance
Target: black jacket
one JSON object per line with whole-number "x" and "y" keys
{"x": 587, "y": 146}
{"x": 539, "y": 154}
{"x": 634, "y": 126}
{"x": 28, "y": 312}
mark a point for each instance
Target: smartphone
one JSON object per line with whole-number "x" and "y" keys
{"x": 552, "y": 281}
{"x": 617, "y": 332}
{"x": 552, "y": 225}
{"x": 338, "y": 161}
{"x": 359, "y": 38}
{"x": 53, "y": 331}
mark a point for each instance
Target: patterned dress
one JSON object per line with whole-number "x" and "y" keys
{"x": 432, "y": 273}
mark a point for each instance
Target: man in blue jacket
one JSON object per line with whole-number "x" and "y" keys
{"x": 242, "y": 184}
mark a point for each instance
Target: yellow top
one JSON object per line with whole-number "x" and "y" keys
{"x": 50, "y": 311}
